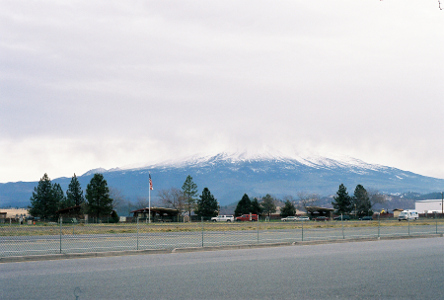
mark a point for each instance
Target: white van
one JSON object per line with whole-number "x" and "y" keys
{"x": 223, "y": 218}
{"x": 408, "y": 215}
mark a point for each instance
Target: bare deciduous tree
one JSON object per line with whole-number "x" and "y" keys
{"x": 120, "y": 202}
{"x": 376, "y": 197}
{"x": 173, "y": 198}
{"x": 142, "y": 202}
{"x": 306, "y": 200}
{"x": 118, "y": 199}
{"x": 289, "y": 198}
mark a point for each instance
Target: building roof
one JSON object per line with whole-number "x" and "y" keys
{"x": 319, "y": 209}
{"x": 429, "y": 200}
{"x": 159, "y": 210}
{"x": 68, "y": 209}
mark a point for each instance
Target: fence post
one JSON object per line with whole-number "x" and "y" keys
{"x": 137, "y": 245}
{"x": 302, "y": 221}
{"x": 60, "y": 220}
{"x": 379, "y": 226}
{"x": 202, "y": 225}
{"x": 408, "y": 222}
{"x": 342, "y": 223}
{"x": 436, "y": 222}
{"x": 258, "y": 229}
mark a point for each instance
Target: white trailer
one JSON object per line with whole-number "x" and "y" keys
{"x": 408, "y": 215}
{"x": 429, "y": 206}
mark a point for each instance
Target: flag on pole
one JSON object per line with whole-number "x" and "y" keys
{"x": 151, "y": 182}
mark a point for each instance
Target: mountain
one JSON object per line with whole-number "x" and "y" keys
{"x": 229, "y": 176}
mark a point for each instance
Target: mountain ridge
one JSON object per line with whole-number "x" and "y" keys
{"x": 229, "y": 175}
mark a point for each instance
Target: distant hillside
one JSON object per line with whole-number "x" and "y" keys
{"x": 229, "y": 176}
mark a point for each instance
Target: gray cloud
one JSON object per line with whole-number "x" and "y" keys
{"x": 109, "y": 83}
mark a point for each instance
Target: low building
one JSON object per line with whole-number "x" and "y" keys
{"x": 161, "y": 214}
{"x": 429, "y": 206}
{"x": 15, "y": 213}
{"x": 2, "y": 217}
{"x": 71, "y": 212}
{"x": 316, "y": 211}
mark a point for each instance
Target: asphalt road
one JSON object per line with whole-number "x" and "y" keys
{"x": 385, "y": 269}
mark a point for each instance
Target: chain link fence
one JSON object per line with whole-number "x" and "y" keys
{"x": 52, "y": 238}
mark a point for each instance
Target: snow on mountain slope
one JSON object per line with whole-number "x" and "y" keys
{"x": 316, "y": 162}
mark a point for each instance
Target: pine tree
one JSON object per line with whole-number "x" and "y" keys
{"x": 114, "y": 217}
{"x": 207, "y": 205}
{"x": 288, "y": 209}
{"x": 256, "y": 208}
{"x": 342, "y": 201}
{"x": 362, "y": 201}
{"x": 59, "y": 196}
{"x": 268, "y": 205}
{"x": 189, "y": 189}
{"x": 45, "y": 199}
{"x": 243, "y": 206}
{"x": 97, "y": 193}
{"x": 74, "y": 193}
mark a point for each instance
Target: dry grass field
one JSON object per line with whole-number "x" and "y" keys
{"x": 54, "y": 229}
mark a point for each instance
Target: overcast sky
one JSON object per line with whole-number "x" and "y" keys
{"x": 88, "y": 84}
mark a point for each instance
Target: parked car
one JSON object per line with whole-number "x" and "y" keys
{"x": 303, "y": 218}
{"x": 247, "y": 217}
{"x": 289, "y": 218}
{"x": 366, "y": 218}
{"x": 321, "y": 218}
{"x": 344, "y": 218}
{"x": 223, "y": 218}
